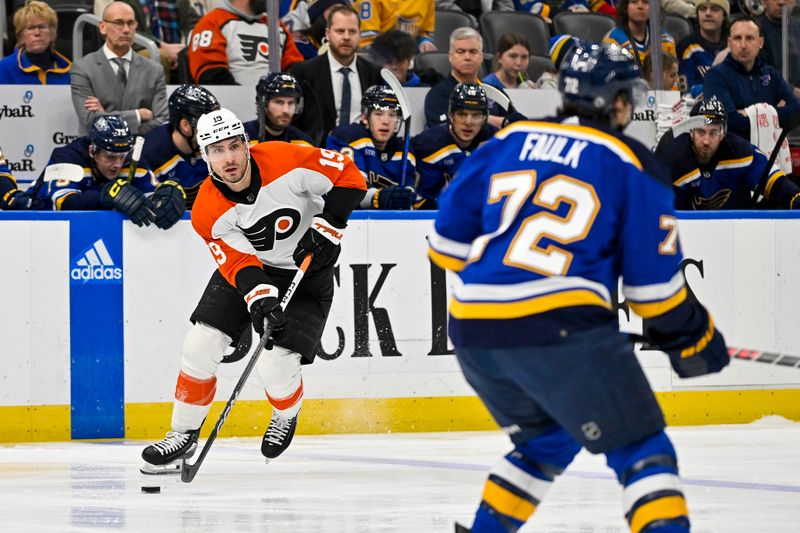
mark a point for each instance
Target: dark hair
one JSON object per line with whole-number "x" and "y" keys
{"x": 622, "y": 14}
{"x": 510, "y": 40}
{"x": 393, "y": 46}
{"x": 341, "y": 8}
{"x": 741, "y": 17}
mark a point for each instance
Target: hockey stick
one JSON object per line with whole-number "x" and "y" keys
{"x": 405, "y": 108}
{"x": 189, "y": 471}
{"x": 744, "y": 354}
{"x": 794, "y": 121}
{"x": 497, "y": 95}
{"x": 135, "y": 157}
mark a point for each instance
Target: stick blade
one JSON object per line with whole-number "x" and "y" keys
{"x": 493, "y": 93}
{"x": 394, "y": 83}
{"x": 187, "y": 472}
{"x": 63, "y": 171}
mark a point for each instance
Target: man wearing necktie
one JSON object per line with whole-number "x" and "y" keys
{"x": 333, "y": 82}
{"x": 138, "y": 93}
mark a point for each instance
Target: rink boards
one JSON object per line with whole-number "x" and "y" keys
{"x": 94, "y": 311}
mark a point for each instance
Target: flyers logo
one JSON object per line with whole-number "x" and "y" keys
{"x": 254, "y": 45}
{"x": 276, "y": 226}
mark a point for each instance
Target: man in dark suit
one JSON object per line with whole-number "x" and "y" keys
{"x": 333, "y": 82}
{"x": 113, "y": 79}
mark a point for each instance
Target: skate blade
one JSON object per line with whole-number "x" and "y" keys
{"x": 157, "y": 470}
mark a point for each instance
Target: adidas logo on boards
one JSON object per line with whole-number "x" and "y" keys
{"x": 95, "y": 264}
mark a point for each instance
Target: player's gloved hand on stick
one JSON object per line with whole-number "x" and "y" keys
{"x": 169, "y": 201}
{"x": 698, "y": 356}
{"x": 127, "y": 199}
{"x": 17, "y": 200}
{"x": 322, "y": 240}
{"x": 394, "y": 197}
{"x": 512, "y": 115}
{"x": 265, "y": 308}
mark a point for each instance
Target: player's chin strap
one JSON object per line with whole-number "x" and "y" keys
{"x": 214, "y": 175}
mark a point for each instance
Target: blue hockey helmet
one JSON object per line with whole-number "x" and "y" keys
{"x": 190, "y": 102}
{"x": 468, "y": 96}
{"x": 594, "y": 74}
{"x": 111, "y": 133}
{"x": 713, "y": 111}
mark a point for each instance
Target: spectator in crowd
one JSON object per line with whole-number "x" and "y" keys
{"x": 103, "y": 179}
{"x": 542, "y": 8}
{"x": 513, "y": 56}
{"x": 475, "y": 8}
{"x": 560, "y": 47}
{"x": 415, "y": 17}
{"x": 395, "y": 50}
{"x": 171, "y": 150}
{"x": 306, "y": 21}
{"x": 441, "y": 149}
{"x": 697, "y": 50}
{"x": 466, "y": 56}
{"x": 230, "y": 45}
{"x": 712, "y": 168}
{"x": 669, "y": 72}
{"x": 333, "y": 82}
{"x": 278, "y": 100}
{"x": 744, "y": 79}
{"x": 681, "y": 8}
{"x": 11, "y": 198}
{"x": 166, "y": 24}
{"x": 35, "y": 60}
{"x": 633, "y": 31}
{"x": 772, "y": 53}
{"x": 115, "y": 80}
{"x": 372, "y": 143}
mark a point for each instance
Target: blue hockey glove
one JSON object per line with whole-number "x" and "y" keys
{"x": 394, "y": 197}
{"x": 127, "y": 199}
{"x": 169, "y": 202}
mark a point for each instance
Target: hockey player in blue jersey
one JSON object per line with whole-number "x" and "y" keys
{"x": 372, "y": 143}
{"x": 11, "y": 198}
{"x": 441, "y": 149}
{"x": 104, "y": 157}
{"x": 278, "y": 100}
{"x": 539, "y": 225}
{"x": 171, "y": 149}
{"x": 714, "y": 169}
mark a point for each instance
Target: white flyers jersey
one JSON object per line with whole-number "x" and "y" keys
{"x": 263, "y": 224}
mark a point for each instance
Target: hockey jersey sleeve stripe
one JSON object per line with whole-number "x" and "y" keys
{"x": 59, "y": 196}
{"x": 440, "y": 154}
{"x": 651, "y": 309}
{"x": 484, "y": 292}
{"x": 445, "y": 261}
{"x": 735, "y": 163}
{"x": 773, "y": 177}
{"x": 655, "y": 291}
{"x": 575, "y": 131}
{"x": 399, "y": 155}
{"x": 446, "y": 246}
{"x": 169, "y": 165}
{"x": 523, "y": 308}
{"x": 690, "y": 50}
{"x": 687, "y": 178}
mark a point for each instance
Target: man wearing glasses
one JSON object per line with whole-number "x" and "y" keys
{"x": 113, "y": 79}
{"x": 712, "y": 168}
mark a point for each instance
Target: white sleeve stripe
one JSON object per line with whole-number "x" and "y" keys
{"x": 654, "y": 292}
{"x": 647, "y": 485}
{"x": 447, "y": 246}
{"x": 519, "y": 478}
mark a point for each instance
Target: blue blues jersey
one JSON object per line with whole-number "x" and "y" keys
{"x": 7, "y": 181}
{"x": 84, "y": 194}
{"x": 289, "y": 135}
{"x": 695, "y": 57}
{"x": 169, "y": 163}
{"x": 438, "y": 159}
{"x": 727, "y": 181}
{"x": 541, "y": 222}
{"x": 381, "y": 168}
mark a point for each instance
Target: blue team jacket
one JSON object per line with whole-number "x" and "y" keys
{"x": 16, "y": 69}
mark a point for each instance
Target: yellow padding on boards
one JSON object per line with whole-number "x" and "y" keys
{"x": 506, "y": 502}
{"x": 660, "y": 509}
{"x": 35, "y": 423}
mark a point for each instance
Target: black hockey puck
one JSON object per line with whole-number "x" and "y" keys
{"x": 151, "y": 490}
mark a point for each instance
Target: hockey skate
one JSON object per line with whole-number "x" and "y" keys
{"x": 278, "y": 436}
{"x": 164, "y": 456}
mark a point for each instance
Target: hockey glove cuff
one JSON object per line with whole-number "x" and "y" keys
{"x": 322, "y": 240}
{"x": 169, "y": 202}
{"x": 127, "y": 199}
{"x": 16, "y": 200}
{"x": 265, "y": 308}
{"x": 394, "y": 197}
{"x": 706, "y": 355}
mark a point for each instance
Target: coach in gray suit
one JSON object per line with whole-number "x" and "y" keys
{"x": 115, "y": 80}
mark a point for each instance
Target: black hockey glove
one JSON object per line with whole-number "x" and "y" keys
{"x": 16, "y": 200}
{"x": 265, "y": 308}
{"x": 169, "y": 202}
{"x": 322, "y": 240}
{"x": 692, "y": 357}
{"x": 513, "y": 116}
{"x": 394, "y": 197}
{"x": 127, "y": 199}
